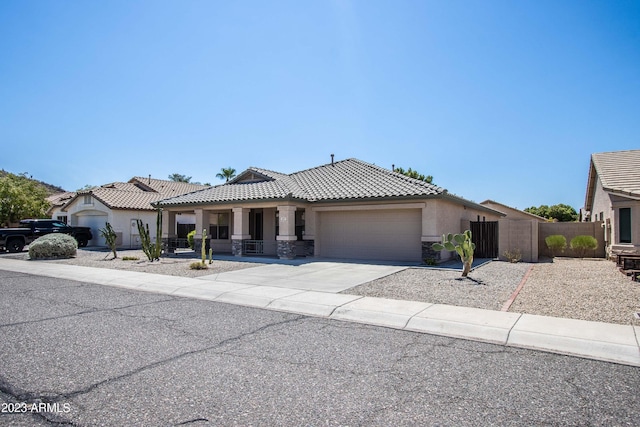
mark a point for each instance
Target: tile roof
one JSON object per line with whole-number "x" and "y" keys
{"x": 60, "y": 199}
{"x": 619, "y": 172}
{"x": 168, "y": 188}
{"x": 346, "y": 180}
{"x": 136, "y": 194}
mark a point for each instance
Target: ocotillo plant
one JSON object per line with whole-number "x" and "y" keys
{"x": 462, "y": 244}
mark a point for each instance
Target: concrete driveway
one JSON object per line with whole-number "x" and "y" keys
{"x": 319, "y": 276}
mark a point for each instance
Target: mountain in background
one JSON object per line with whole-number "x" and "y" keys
{"x": 50, "y": 188}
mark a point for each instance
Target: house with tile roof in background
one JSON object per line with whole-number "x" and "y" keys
{"x": 613, "y": 197}
{"x": 345, "y": 209}
{"x": 121, "y": 204}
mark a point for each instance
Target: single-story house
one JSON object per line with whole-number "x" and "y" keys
{"x": 613, "y": 197}
{"x": 346, "y": 209}
{"x": 121, "y": 204}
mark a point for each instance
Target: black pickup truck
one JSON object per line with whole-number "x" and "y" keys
{"x": 15, "y": 239}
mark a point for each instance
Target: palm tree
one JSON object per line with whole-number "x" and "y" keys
{"x": 226, "y": 173}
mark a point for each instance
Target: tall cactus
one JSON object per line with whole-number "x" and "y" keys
{"x": 462, "y": 244}
{"x": 203, "y": 250}
{"x": 151, "y": 250}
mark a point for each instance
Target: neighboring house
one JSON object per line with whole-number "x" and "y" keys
{"x": 613, "y": 196}
{"x": 121, "y": 204}
{"x": 57, "y": 201}
{"x": 347, "y": 209}
{"x": 512, "y": 213}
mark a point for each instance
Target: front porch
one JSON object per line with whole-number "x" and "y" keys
{"x": 262, "y": 230}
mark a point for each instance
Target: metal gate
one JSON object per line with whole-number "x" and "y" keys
{"x": 485, "y": 235}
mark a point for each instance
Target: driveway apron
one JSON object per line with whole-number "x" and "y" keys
{"x": 316, "y": 276}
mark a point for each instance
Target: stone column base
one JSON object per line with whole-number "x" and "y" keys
{"x": 429, "y": 254}
{"x": 286, "y": 249}
{"x": 236, "y": 247}
{"x": 309, "y": 248}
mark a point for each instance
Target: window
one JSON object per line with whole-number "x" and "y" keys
{"x": 62, "y": 218}
{"x": 87, "y": 199}
{"x": 624, "y": 226}
{"x": 219, "y": 228}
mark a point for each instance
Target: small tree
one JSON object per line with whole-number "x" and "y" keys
{"x": 110, "y": 237}
{"x": 582, "y": 244}
{"x": 191, "y": 239}
{"x": 462, "y": 244}
{"x": 21, "y": 197}
{"x": 556, "y": 243}
{"x": 226, "y": 174}
{"x": 177, "y": 177}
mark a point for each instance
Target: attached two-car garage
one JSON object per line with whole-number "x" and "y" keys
{"x": 376, "y": 234}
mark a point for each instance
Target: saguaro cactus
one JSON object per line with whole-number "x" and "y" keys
{"x": 462, "y": 244}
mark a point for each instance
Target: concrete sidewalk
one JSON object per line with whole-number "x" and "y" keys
{"x": 593, "y": 340}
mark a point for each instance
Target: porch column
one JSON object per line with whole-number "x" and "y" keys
{"x": 287, "y": 232}
{"x": 430, "y": 233}
{"x": 309, "y": 231}
{"x": 240, "y": 230}
{"x": 202, "y": 223}
{"x": 168, "y": 224}
{"x": 168, "y": 229}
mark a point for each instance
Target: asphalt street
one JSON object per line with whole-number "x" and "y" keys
{"x": 80, "y": 354}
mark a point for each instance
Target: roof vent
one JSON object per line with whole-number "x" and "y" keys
{"x": 332, "y": 159}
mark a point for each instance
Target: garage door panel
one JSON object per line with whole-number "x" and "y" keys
{"x": 376, "y": 234}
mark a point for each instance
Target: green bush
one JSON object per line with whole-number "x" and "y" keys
{"x": 556, "y": 243}
{"x": 53, "y": 246}
{"x": 190, "y": 239}
{"x": 582, "y": 244}
{"x": 513, "y": 256}
{"x": 198, "y": 266}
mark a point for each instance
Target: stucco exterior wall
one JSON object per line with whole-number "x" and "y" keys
{"x": 96, "y": 215}
{"x": 521, "y": 235}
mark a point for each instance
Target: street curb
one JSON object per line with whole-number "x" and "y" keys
{"x": 591, "y": 340}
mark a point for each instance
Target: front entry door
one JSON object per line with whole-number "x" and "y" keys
{"x": 256, "y": 224}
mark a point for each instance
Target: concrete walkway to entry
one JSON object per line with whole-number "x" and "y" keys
{"x": 310, "y": 288}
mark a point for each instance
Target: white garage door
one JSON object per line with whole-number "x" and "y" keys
{"x": 95, "y": 222}
{"x": 376, "y": 234}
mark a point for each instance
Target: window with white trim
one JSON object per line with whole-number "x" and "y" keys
{"x": 624, "y": 225}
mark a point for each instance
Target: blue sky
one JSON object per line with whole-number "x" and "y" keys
{"x": 502, "y": 100}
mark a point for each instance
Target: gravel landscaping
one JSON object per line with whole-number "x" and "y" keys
{"x": 172, "y": 266}
{"x": 487, "y": 286}
{"x": 587, "y": 289}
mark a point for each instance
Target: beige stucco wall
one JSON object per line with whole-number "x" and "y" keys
{"x": 606, "y": 207}
{"x": 519, "y": 235}
{"x": 96, "y": 214}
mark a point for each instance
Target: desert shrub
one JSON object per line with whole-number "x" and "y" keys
{"x": 53, "y": 246}
{"x": 556, "y": 243}
{"x": 513, "y": 255}
{"x": 198, "y": 266}
{"x": 190, "y": 239}
{"x": 582, "y": 244}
